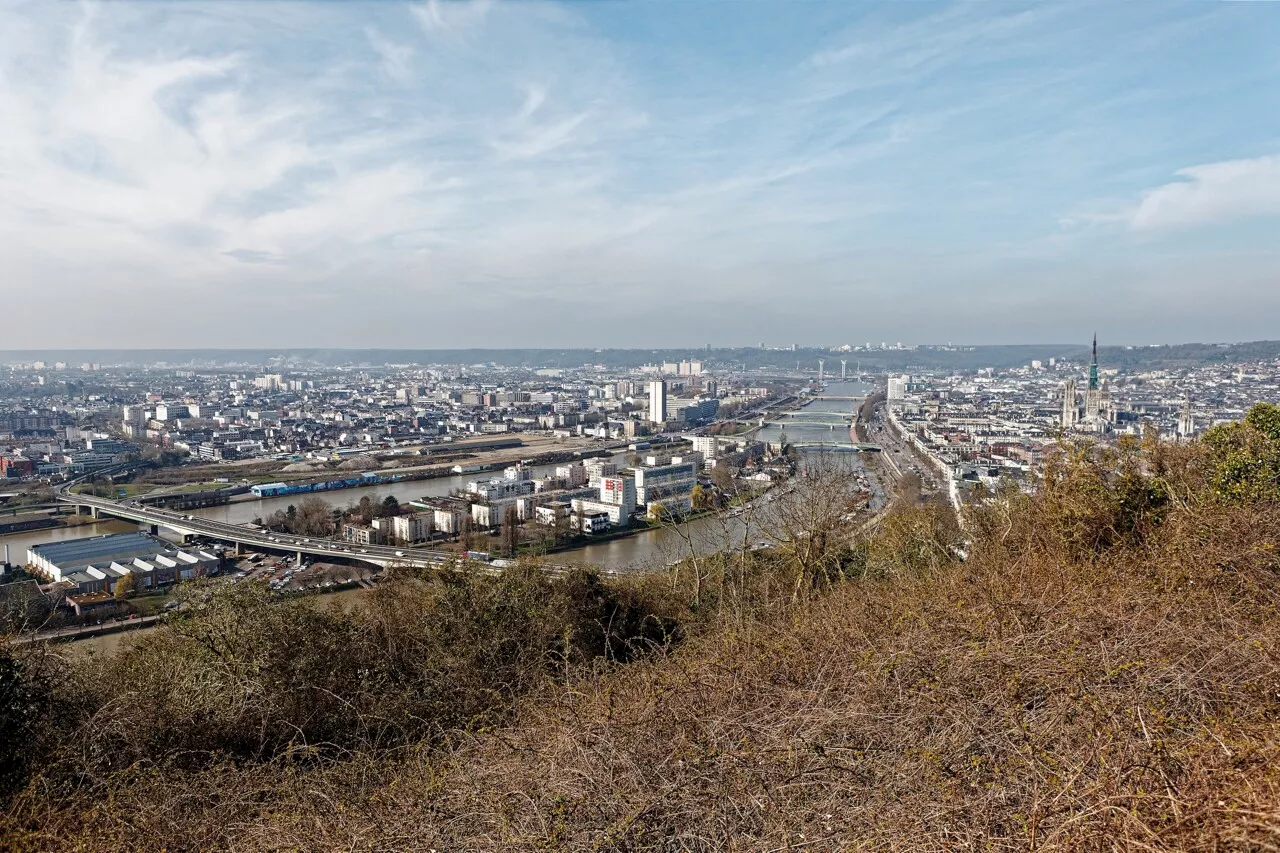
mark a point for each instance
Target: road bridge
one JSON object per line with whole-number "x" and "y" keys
{"x": 814, "y": 419}
{"x": 265, "y": 540}
{"x": 831, "y": 415}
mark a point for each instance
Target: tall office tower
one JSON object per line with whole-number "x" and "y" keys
{"x": 821, "y": 363}
{"x": 844, "y": 369}
{"x": 658, "y": 401}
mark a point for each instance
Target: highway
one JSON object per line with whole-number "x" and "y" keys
{"x": 900, "y": 451}
{"x": 189, "y": 525}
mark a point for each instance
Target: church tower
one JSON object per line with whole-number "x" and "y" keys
{"x": 1070, "y": 410}
{"x": 1093, "y": 396}
{"x": 1186, "y": 420}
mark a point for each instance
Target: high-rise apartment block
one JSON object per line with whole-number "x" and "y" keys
{"x": 658, "y": 401}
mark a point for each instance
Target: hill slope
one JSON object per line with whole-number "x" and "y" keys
{"x": 1102, "y": 672}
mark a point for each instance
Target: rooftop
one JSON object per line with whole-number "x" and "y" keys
{"x": 102, "y": 549}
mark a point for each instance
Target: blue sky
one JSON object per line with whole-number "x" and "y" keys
{"x": 634, "y": 174}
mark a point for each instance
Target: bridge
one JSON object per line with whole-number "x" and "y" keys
{"x": 825, "y": 417}
{"x": 833, "y": 447}
{"x": 265, "y": 540}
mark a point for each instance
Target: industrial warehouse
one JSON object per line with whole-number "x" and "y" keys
{"x": 91, "y": 568}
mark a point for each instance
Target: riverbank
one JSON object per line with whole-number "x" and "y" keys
{"x": 398, "y": 476}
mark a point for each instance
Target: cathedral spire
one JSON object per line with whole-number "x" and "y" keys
{"x": 1093, "y": 366}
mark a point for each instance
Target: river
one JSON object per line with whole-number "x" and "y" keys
{"x": 652, "y": 549}
{"x": 243, "y": 512}
{"x": 19, "y": 542}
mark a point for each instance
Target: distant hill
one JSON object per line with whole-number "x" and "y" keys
{"x": 922, "y": 359}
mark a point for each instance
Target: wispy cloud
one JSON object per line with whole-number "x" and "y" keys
{"x": 541, "y": 139}
{"x": 568, "y": 155}
{"x": 395, "y": 57}
{"x": 458, "y": 18}
{"x": 1212, "y": 193}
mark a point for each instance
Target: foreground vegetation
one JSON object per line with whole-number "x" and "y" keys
{"x": 1101, "y": 671}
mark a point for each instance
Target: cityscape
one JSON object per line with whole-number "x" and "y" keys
{"x": 489, "y": 461}
{"x": 540, "y": 426}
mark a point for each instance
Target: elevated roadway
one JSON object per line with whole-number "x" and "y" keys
{"x": 264, "y": 540}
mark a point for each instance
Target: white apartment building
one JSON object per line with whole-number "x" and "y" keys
{"x": 707, "y": 445}
{"x": 573, "y": 475}
{"x": 617, "y": 501}
{"x": 669, "y": 484}
{"x": 493, "y": 490}
{"x": 658, "y": 401}
{"x": 598, "y": 469}
{"x": 412, "y": 528}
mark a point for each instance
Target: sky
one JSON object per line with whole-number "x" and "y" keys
{"x": 523, "y": 174}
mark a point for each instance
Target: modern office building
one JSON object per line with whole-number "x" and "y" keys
{"x": 693, "y": 411}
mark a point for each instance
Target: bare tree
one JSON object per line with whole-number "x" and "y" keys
{"x": 722, "y": 477}
{"x": 467, "y": 531}
{"x": 315, "y": 517}
{"x": 510, "y": 536}
{"x": 812, "y": 520}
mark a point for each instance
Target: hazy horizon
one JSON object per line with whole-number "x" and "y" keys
{"x": 423, "y": 175}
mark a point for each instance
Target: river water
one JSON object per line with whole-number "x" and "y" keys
{"x": 243, "y": 512}
{"x": 19, "y": 542}
{"x": 648, "y": 550}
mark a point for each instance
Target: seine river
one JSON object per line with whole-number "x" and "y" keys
{"x": 643, "y": 551}
{"x": 648, "y": 550}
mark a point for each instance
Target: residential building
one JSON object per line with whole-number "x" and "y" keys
{"x": 658, "y": 401}
{"x": 670, "y": 484}
{"x": 412, "y": 528}
{"x": 363, "y": 534}
{"x": 617, "y": 501}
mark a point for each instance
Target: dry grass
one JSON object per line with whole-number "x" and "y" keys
{"x": 1102, "y": 673}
